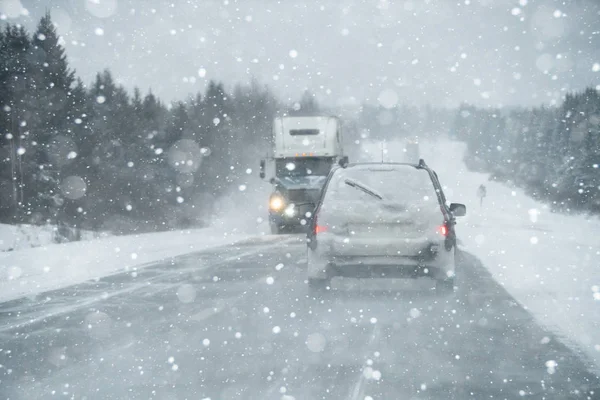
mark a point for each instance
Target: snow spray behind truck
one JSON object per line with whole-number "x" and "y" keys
{"x": 305, "y": 149}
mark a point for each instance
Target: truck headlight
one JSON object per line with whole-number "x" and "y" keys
{"x": 290, "y": 211}
{"x": 276, "y": 203}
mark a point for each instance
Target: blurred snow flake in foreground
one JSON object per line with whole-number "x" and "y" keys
{"x": 533, "y": 240}
{"x": 293, "y": 53}
{"x": 371, "y": 374}
{"x": 551, "y": 366}
{"x": 202, "y": 72}
{"x": 242, "y": 188}
{"x": 596, "y": 67}
{"x": 99, "y": 324}
{"x": 14, "y": 272}
{"x": 206, "y": 342}
{"x": 101, "y": 8}
{"x": 270, "y": 280}
{"x": 276, "y": 329}
{"x": 185, "y": 156}
{"x": 99, "y": 31}
{"x": 388, "y": 98}
{"x": 545, "y": 340}
{"x": 533, "y": 214}
{"x": 480, "y": 239}
{"x": 186, "y": 293}
{"x": 316, "y": 342}
{"x": 415, "y": 313}
{"x": 11, "y": 8}
{"x": 73, "y": 187}
{"x": 596, "y": 291}
{"x": 100, "y": 99}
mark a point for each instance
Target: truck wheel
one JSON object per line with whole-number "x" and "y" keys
{"x": 275, "y": 229}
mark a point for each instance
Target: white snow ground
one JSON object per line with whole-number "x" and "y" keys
{"x": 31, "y": 271}
{"x": 17, "y": 237}
{"x": 28, "y": 271}
{"x": 550, "y": 263}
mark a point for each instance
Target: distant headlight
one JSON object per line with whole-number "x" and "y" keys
{"x": 276, "y": 203}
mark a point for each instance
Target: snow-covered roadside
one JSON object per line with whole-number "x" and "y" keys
{"x": 548, "y": 262}
{"x": 31, "y": 271}
{"x": 18, "y": 237}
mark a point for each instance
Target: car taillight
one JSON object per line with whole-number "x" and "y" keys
{"x": 443, "y": 230}
{"x": 320, "y": 229}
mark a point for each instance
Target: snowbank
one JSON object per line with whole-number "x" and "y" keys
{"x": 31, "y": 271}
{"x": 549, "y": 262}
{"x": 17, "y": 237}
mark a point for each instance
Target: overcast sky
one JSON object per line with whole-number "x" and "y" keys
{"x": 442, "y": 52}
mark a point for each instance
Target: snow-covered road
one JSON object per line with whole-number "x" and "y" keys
{"x": 224, "y": 314}
{"x": 236, "y": 323}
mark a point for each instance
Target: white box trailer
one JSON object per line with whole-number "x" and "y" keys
{"x": 319, "y": 136}
{"x": 304, "y": 151}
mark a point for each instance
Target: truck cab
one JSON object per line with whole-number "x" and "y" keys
{"x": 305, "y": 149}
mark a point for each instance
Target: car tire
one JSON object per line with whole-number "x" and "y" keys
{"x": 318, "y": 287}
{"x": 444, "y": 287}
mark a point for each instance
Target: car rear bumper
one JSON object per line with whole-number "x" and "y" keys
{"x": 426, "y": 256}
{"x": 376, "y": 268}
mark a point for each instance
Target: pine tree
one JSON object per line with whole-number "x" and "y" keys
{"x": 16, "y": 78}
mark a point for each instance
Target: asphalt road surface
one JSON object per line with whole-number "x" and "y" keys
{"x": 237, "y": 323}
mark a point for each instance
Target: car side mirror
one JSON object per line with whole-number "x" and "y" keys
{"x": 343, "y": 162}
{"x": 458, "y": 210}
{"x": 262, "y": 169}
{"x": 272, "y": 181}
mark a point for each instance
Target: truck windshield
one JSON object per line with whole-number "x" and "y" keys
{"x": 291, "y": 167}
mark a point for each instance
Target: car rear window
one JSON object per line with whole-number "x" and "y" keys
{"x": 402, "y": 185}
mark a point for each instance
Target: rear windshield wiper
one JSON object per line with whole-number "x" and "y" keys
{"x": 364, "y": 189}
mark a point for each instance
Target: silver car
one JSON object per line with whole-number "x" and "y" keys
{"x": 383, "y": 220}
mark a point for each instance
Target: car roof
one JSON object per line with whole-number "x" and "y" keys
{"x": 374, "y": 166}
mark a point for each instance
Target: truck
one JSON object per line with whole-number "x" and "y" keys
{"x": 305, "y": 148}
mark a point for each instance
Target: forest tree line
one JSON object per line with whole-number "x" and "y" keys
{"x": 552, "y": 152}
{"x": 97, "y": 157}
